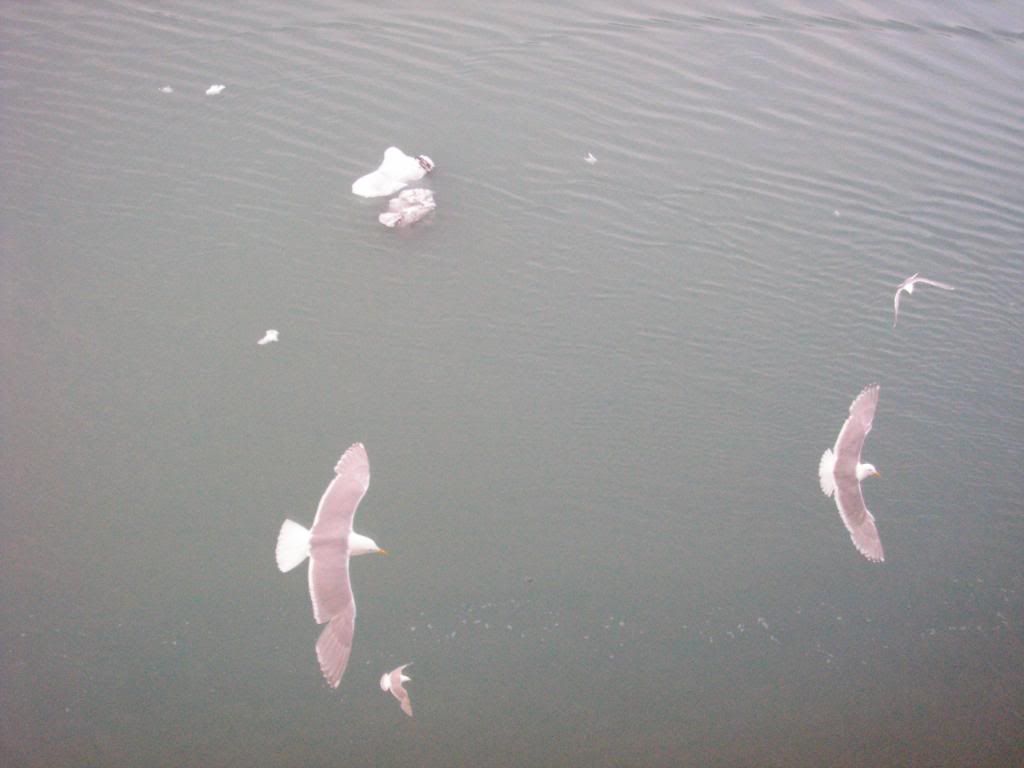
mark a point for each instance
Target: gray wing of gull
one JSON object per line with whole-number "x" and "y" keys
{"x": 397, "y": 689}
{"x": 944, "y": 286}
{"x": 329, "y": 587}
{"x": 849, "y": 498}
{"x": 335, "y": 644}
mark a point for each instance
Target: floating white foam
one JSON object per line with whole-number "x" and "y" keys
{"x": 395, "y": 171}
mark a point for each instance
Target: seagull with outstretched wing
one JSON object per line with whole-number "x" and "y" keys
{"x": 840, "y": 472}
{"x": 908, "y": 286}
{"x": 329, "y": 544}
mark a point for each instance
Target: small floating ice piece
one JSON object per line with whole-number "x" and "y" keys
{"x": 590, "y": 158}
{"x": 215, "y": 90}
{"x": 167, "y": 89}
{"x": 392, "y": 681}
{"x": 410, "y": 206}
{"x": 269, "y": 336}
{"x": 395, "y": 171}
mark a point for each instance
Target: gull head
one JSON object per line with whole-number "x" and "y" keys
{"x": 362, "y": 545}
{"x": 426, "y": 163}
{"x": 865, "y": 471}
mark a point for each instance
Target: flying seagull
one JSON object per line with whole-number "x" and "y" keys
{"x": 270, "y": 336}
{"x": 908, "y": 286}
{"x": 329, "y": 545}
{"x": 395, "y": 171}
{"x": 392, "y": 681}
{"x": 840, "y": 472}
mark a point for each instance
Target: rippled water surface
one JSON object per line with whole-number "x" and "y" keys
{"x": 593, "y": 395}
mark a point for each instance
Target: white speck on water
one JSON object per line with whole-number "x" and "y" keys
{"x": 215, "y": 90}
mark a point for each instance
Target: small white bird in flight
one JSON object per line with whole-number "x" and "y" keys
{"x": 395, "y": 171}
{"x": 840, "y": 472}
{"x": 590, "y": 158}
{"x": 215, "y": 90}
{"x": 269, "y": 336}
{"x": 908, "y": 286}
{"x": 329, "y": 545}
{"x": 392, "y": 681}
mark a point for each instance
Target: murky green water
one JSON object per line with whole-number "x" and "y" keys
{"x": 593, "y": 395}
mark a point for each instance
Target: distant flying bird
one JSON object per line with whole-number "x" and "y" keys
{"x": 269, "y": 336}
{"x": 329, "y": 545}
{"x": 908, "y": 286}
{"x": 215, "y": 90}
{"x": 840, "y": 472}
{"x": 392, "y": 681}
{"x": 590, "y": 158}
{"x": 410, "y": 206}
{"x": 395, "y": 171}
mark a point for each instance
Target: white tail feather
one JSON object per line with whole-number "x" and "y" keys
{"x": 825, "y": 476}
{"x": 292, "y": 545}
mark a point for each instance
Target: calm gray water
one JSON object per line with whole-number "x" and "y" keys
{"x": 593, "y": 396}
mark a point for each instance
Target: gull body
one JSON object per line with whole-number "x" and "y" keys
{"x": 840, "y": 473}
{"x": 393, "y": 681}
{"x": 395, "y": 172}
{"x": 908, "y": 286}
{"x": 269, "y": 336}
{"x": 329, "y": 545}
